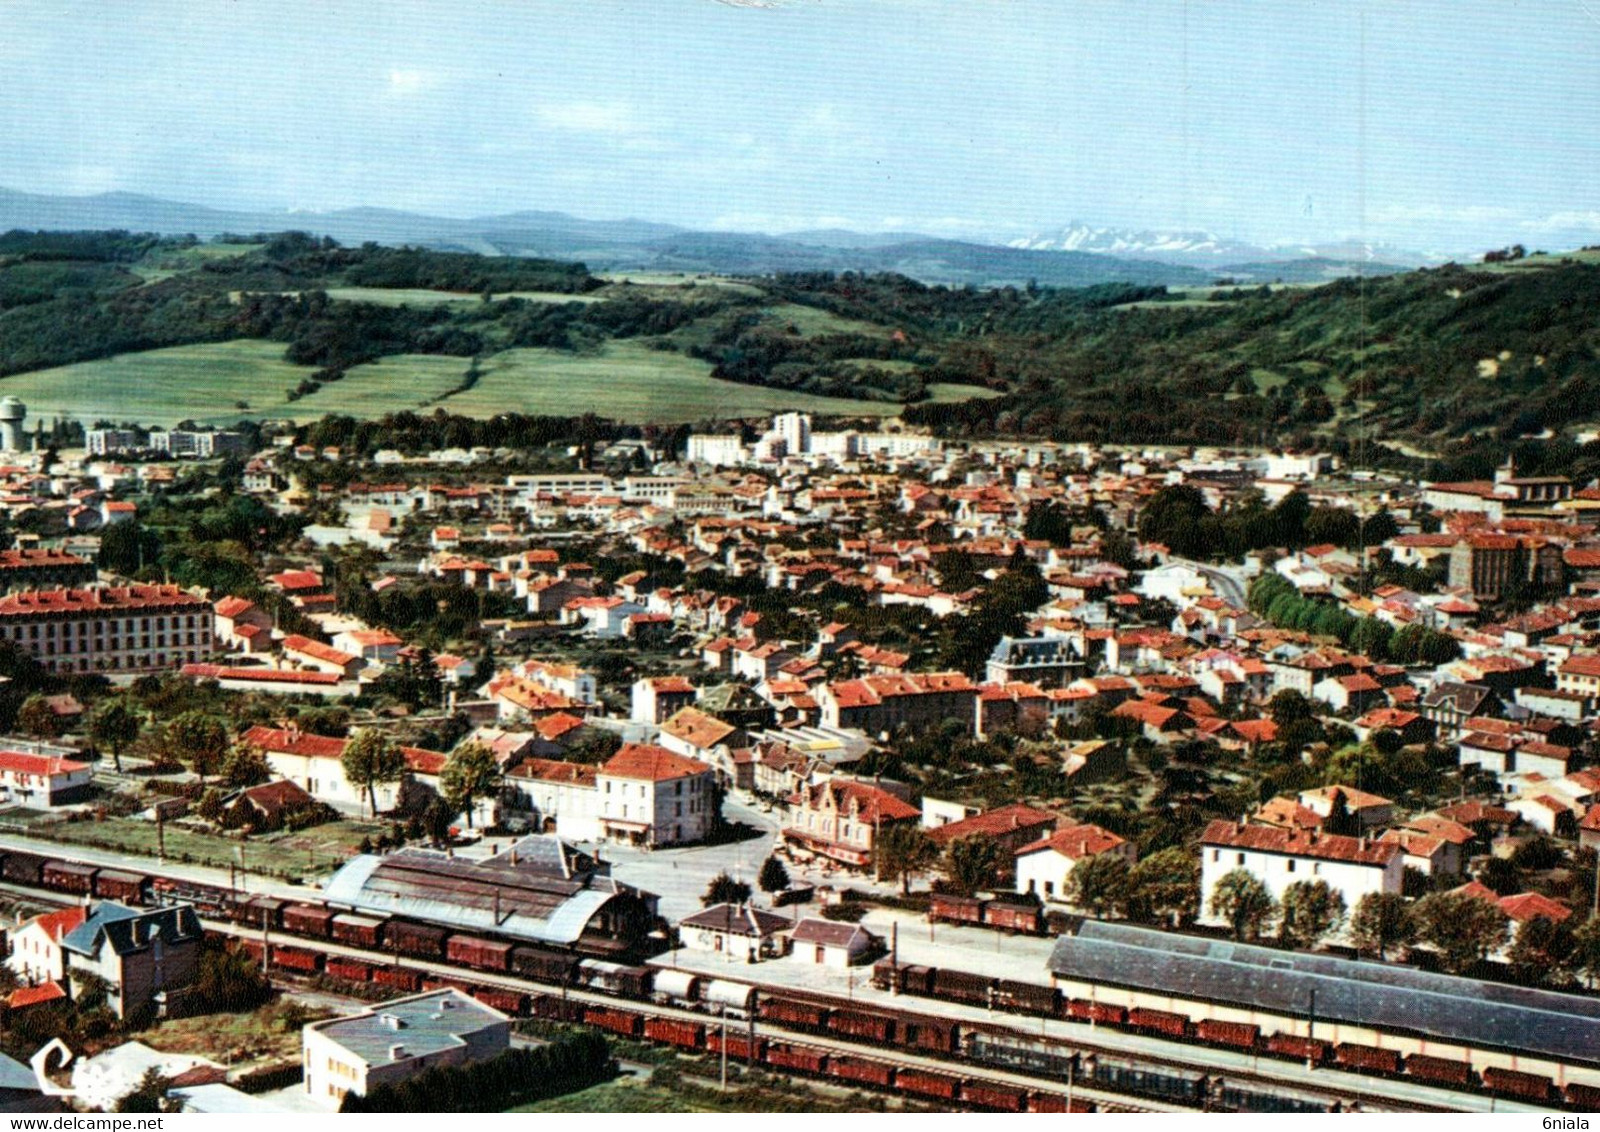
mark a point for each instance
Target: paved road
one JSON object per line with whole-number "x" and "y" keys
{"x": 1228, "y": 586}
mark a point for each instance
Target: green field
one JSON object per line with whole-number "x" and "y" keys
{"x": 627, "y": 381}
{"x": 222, "y": 382}
{"x": 403, "y": 296}
{"x": 162, "y": 387}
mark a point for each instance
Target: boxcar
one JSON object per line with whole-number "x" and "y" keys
{"x": 126, "y": 888}
{"x": 1027, "y": 998}
{"x": 442, "y": 982}
{"x": 1510, "y": 1083}
{"x": 739, "y": 1046}
{"x": 21, "y": 867}
{"x": 258, "y": 912}
{"x": 544, "y": 966}
{"x": 1239, "y": 1035}
{"x": 1585, "y": 1098}
{"x": 959, "y": 986}
{"x": 484, "y": 954}
{"x": 860, "y": 1069}
{"x": 514, "y": 1003}
{"x": 931, "y": 1034}
{"x": 64, "y": 876}
{"x": 923, "y": 1083}
{"x": 1055, "y": 1102}
{"x": 295, "y": 958}
{"x": 1444, "y": 1070}
{"x": 309, "y": 919}
{"x": 556, "y": 1007}
{"x": 410, "y": 938}
{"x": 955, "y": 909}
{"x": 788, "y": 1012}
{"x": 1302, "y": 1049}
{"x": 357, "y": 931}
{"x": 1001, "y": 1098}
{"x": 624, "y": 1022}
{"x": 797, "y": 1057}
{"x": 350, "y": 970}
{"x": 862, "y": 1024}
{"x": 1368, "y": 1058}
{"x": 252, "y": 947}
{"x": 686, "y": 1035}
{"x": 402, "y": 978}
{"x": 917, "y": 980}
{"x": 1025, "y": 918}
{"x": 886, "y": 975}
{"x": 1159, "y": 1022}
{"x": 1082, "y": 1010}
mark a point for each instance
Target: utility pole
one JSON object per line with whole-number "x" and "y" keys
{"x": 724, "y": 1047}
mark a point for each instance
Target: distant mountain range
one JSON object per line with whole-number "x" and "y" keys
{"x": 1077, "y": 256}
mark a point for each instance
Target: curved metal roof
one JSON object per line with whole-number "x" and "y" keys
{"x": 1562, "y": 1026}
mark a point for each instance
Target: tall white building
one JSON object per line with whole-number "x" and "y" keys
{"x": 795, "y": 429}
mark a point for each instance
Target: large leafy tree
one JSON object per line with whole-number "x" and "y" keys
{"x": 972, "y": 863}
{"x": 1463, "y": 929}
{"x": 1541, "y": 951}
{"x": 1100, "y": 885}
{"x": 723, "y": 889}
{"x": 774, "y": 877}
{"x": 371, "y": 759}
{"x": 1310, "y": 911}
{"x": 469, "y": 773}
{"x": 1165, "y": 888}
{"x": 900, "y": 851}
{"x": 116, "y": 724}
{"x": 1383, "y": 920}
{"x": 199, "y": 740}
{"x": 1585, "y": 957}
{"x": 1243, "y": 901}
{"x": 38, "y": 719}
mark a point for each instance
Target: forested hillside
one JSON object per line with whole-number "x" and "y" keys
{"x": 1432, "y": 360}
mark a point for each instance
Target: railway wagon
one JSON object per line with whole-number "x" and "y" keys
{"x": 676, "y": 986}
{"x": 257, "y": 912}
{"x": 623, "y": 1022}
{"x": 401, "y": 978}
{"x": 1313, "y": 1050}
{"x": 1121, "y": 1075}
{"x": 999, "y": 1098}
{"x": 544, "y": 966}
{"x": 555, "y": 1007}
{"x": 790, "y": 1012}
{"x": 861, "y": 1069}
{"x": 1584, "y": 1098}
{"x": 1238, "y": 1035}
{"x": 931, "y": 1034}
{"x": 1027, "y": 998}
{"x": 1024, "y": 919}
{"x": 949, "y": 909}
{"x": 350, "y": 970}
{"x": 296, "y": 958}
{"x": 1161, "y": 1022}
{"x": 21, "y": 867}
{"x": 1443, "y": 1070}
{"x": 253, "y": 948}
{"x": 357, "y": 931}
{"x": 63, "y": 876}
{"x": 630, "y": 982}
{"x": 1055, "y": 1102}
{"x": 685, "y": 1035}
{"x": 1082, "y": 1010}
{"x": 514, "y": 1003}
{"x": 959, "y": 986}
{"x": 1511, "y": 1083}
{"x": 474, "y": 951}
{"x": 1366, "y": 1059}
{"x": 123, "y": 887}
{"x": 444, "y": 982}
{"x": 423, "y": 941}
{"x": 862, "y": 1024}
{"x": 924, "y": 1083}
{"x": 312, "y": 920}
{"x": 739, "y": 1046}
{"x": 801, "y": 1058}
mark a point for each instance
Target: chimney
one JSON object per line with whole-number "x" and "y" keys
{"x": 396, "y": 1052}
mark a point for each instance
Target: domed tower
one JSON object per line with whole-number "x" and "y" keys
{"x": 12, "y": 413}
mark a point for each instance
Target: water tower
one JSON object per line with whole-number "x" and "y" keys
{"x": 12, "y": 413}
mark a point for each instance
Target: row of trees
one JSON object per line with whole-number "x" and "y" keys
{"x": 1274, "y": 597}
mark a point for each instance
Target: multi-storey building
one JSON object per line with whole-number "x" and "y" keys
{"x": 35, "y": 569}
{"x": 651, "y": 796}
{"x": 877, "y": 704}
{"x": 1352, "y": 866}
{"x": 109, "y": 629}
{"x": 840, "y": 818}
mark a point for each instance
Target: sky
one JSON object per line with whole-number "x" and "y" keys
{"x": 1423, "y": 124}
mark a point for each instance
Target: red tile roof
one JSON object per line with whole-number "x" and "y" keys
{"x": 1075, "y": 842}
{"x": 31, "y": 996}
{"x": 1525, "y": 906}
{"x": 650, "y": 763}
{"x": 19, "y": 763}
{"x": 1290, "y": 842}
{"x": 290, "y": 741}
{"x": 1006, "y": 819}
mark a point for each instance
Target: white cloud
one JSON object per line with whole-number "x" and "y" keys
{"x": 405, "y": 82}
{"x": 1588, "y": 220}
{"x": 613, "y": 118}
{"x": 1441, "y": 214}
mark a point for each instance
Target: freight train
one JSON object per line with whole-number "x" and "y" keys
{"x": 405, "y": 938}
